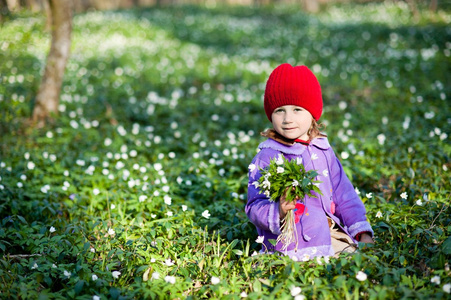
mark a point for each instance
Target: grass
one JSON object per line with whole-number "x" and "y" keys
{"x": 144, "y": 171}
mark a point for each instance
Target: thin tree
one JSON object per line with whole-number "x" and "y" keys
{"x": 47, "y": 99}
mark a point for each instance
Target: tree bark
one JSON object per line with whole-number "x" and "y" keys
{"x": 47, "y": 99}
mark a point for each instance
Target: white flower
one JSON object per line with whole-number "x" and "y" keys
{"x": 295, "y": 183}
{"x": 113, "y": 206}
{"x": 206, "y": 214}
{"x": 93, "y": 250}
{"x": 361, "y": 276}
{"x": 155, "y": 275}
{"x": 266, "y": 184}
{"x": 67, "y": 274}
{"x": 435, "y": 279}
{"x": 369, "y": 195}
{"x": 260, "y": 239}
{"x": 169, "y": 213}
{"x": 306, "y": 257}
{"x": 243, "y": 295}
{"x": 379, "y": 214}
{"x": 357, "y": 191}
{"x": 95, "y": 297}
{"x": 168, "y": 262}
{"x": 96, "y": 192}
{"x": 170, "y": 279}
{"x": 299, "y": 160}
{"x": 381, "y": 138}
{"x": 295, "y": 290}
{"x": 299, "y": 297}
{"x": 280, "y": 170}
{"x": 35, "y": 266}
{"x": 111, "y": 231}
{"x": 325, "y": 173}
{"x": 314, "y": 156}
{"x": 167, "y": 200}
{"x": 184, "y": 207}
{"x": 142, "y": 198}
{"x": 447, "y": 288}
{"x": 344, "y": 155}
{"x": 116, "y": 274}
{"x": 215, "y": 280}
{"x": 30, "y": 165}
{"x": 94, "y": 277}
{"x": 267, "y": 194}
{"x": 52, "y": 229}
{"x": 45, "y": 189}
{"x": 404, "y": 195}
{"x": 419, "y": 202}
{"x": 252, "y": 167}
{"x": 54, "y": 266}
{"x": 279, "y": 160}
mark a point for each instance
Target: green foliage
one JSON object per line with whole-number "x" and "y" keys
{"x": 282, "y": 176}
{"x": 137, "y": 189}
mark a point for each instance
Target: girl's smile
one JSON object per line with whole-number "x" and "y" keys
{"x": 291, "y": 121}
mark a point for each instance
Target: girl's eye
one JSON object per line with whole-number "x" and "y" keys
{"x": 279, "y": 110}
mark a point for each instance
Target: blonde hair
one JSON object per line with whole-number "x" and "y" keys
{"x": 315, "y": 130}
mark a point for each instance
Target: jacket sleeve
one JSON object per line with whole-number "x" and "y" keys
{"x": 263, "y": 213}
{"x": 349, "y": 207}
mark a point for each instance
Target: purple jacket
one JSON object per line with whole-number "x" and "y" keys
{"x": 339, "y": 200}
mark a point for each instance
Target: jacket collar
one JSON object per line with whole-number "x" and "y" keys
{"x": 278, "y": 143}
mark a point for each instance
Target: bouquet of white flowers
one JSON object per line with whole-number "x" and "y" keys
{"x": 283, "y": 176}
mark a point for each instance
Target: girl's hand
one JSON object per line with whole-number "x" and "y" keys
{"x": 285, "y": 206}
{"x": 366, "y": 238}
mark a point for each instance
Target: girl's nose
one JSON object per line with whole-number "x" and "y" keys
{"x": 287, "y": 118}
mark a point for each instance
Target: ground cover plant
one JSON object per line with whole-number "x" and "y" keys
{"x": 137, "y": 189}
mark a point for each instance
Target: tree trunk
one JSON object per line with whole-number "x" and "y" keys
{"x": 47, "y": 99}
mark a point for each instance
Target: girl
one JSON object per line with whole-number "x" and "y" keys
{"x": 332, "y": 222}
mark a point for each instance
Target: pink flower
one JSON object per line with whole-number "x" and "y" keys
{"x": 298, "y": 211}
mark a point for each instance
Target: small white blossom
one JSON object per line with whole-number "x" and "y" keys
{"x": 325, "y": 173}
{"x": 252, "y": 167}
{"x": 67, "y": 274}
{"x": 155, "y": 275}
{"x": 419, "y": 202}
{"x": 295, "y": 183}
{"x": 35, "y": 266}
{"x": 435, "y": 279}
{"x": 113, "y": 206}
{"x": 170, "y": 279}
{"x": 299, "y": 160}
{"x": 357, "y": 191}
{"x": 299, "y": 297}
{"x": 447, "y": 288}
{"x": 96, "y": 192}
{"x": 111, "y": 231}
{"x": 260, "y": 239}
{"x": 206, "y": 214}
{"x": 184, "y": 207}
{"x": 168, "y": 262}
{"x": 95, "y": 297}
{"x": 243, "y": 295}
{"x": 279, "y": 160}
{"x": 295, "y": 290}
{"x": 379, "y": 214}
{"x": 369, "y": 195}
{"x": 116, "y": 274}
{"x": 361, "y": 276}
{"x": 54, "y": 266}
{"x": 280, "y": 170}
{"x": 30, "y": 165}
{"x": 169, "y": 213}
{"x": 94, "y": 277}
{"x": 314, "y": 156}
{"x": 142, "y": 198}
{"x": 167, "y": 200}
{"x": 215, "y": 280}
{"x": 404, "y": 195}
{"x": 52, "y": 229}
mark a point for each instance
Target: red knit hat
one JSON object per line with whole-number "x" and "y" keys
{"x": 298, "y": 86}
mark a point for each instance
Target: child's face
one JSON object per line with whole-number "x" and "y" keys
{"x": 293, "y": 122}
